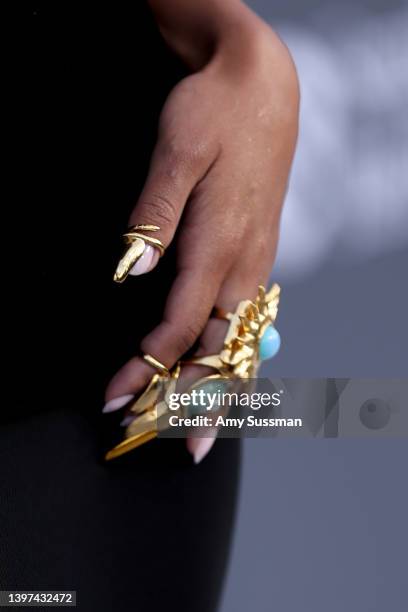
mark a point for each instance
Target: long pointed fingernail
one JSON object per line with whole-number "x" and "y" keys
{"x": 200, "y": 447}
{"x": 127, "y": 420}
{"x": 146, "y": 262}
{"x": 117, "y": 403}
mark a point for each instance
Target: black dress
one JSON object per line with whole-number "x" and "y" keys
{"x": 149, "y": 530}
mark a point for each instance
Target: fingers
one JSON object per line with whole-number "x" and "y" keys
{"x": 211, "y": 341}
{"x": 186, "y": 313}
{"x": 233, "y": 290}
{"x": 185, "y": 318}
{"x": 174, "y": 171}
{"x": 200, "y": 446}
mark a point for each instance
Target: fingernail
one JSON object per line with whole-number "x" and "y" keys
{"x": 117, "y": 403}
{"x": 146, "y": 262}
{"x": 127, "y": 420}
{"x": 200, "y": 447}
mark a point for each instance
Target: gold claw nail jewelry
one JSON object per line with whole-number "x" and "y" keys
{"x": 148, "y": 410}
{"x": 251, "y": 336}
{"x": 250, "y": 339}
{"x": 156, "y": 364}
{"x": 137, "y": 242}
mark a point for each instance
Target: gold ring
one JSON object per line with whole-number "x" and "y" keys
{"x": 134, "y": 232}
{"x": 136, "y": 244}
{"x": 220, "y": 313}
{"x": 251, "y": 338}
{"x": 156, "y": 364}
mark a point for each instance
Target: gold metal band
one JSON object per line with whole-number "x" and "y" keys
{"x": 136, "y": 244}
{"x": 156, "y": 364}
{"x": 129, "y": 444}
{"x": 237, "y": 361}
{"x": 135, "y": 232}
{"x": 209, "y": 361}
{"x": 220, "y": 313}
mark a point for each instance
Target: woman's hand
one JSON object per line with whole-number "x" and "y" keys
{"x": 226, "y": 141}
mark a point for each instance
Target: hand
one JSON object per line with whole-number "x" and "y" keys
{"x": 226, "y": 140}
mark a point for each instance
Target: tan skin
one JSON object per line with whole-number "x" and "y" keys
{"x": 226, "y": 141}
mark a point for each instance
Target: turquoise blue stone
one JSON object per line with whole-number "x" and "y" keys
{"x": 269, "y": 344}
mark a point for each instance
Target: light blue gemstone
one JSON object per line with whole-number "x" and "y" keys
{"x": 269, "y": 344}
{"x": 211, "y": 387}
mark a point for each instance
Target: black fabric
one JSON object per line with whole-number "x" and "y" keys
{"x": 87, "y": 91}
{"x": 149, "y": 530}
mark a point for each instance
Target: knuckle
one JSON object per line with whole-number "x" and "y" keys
{"x": 261, "y": 246}
{"x": 174, "y": 151}
{"x": 188, "y": 336}
{"x": 230, "y": 243}
{"x": 209, "y": 262}
{"x": 198, "y": 153}
{"x": 223, "y": 258}
{"x": 183, "y": 154}
{"x": 161, "y": 208}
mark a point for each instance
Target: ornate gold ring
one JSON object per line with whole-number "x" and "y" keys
{"x": 136, "y": 242}
{"x": 251, "y": 338}
{"x": 155, "y": 363}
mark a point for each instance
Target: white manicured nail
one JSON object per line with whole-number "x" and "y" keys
{"x": 127, "y": 420}
{"x": 146, "y": 262}
{"x": 117, "y": 403}
{"x": 200, "y": 447}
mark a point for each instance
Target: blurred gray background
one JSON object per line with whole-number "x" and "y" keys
{"x": 322, "y": 524}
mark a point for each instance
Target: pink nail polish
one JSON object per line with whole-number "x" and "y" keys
{"x": 117, "y": 403}
{"x": 146, "y": 262}
{"x": 200, "y": 447}
{"x": 127, "y": 420}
